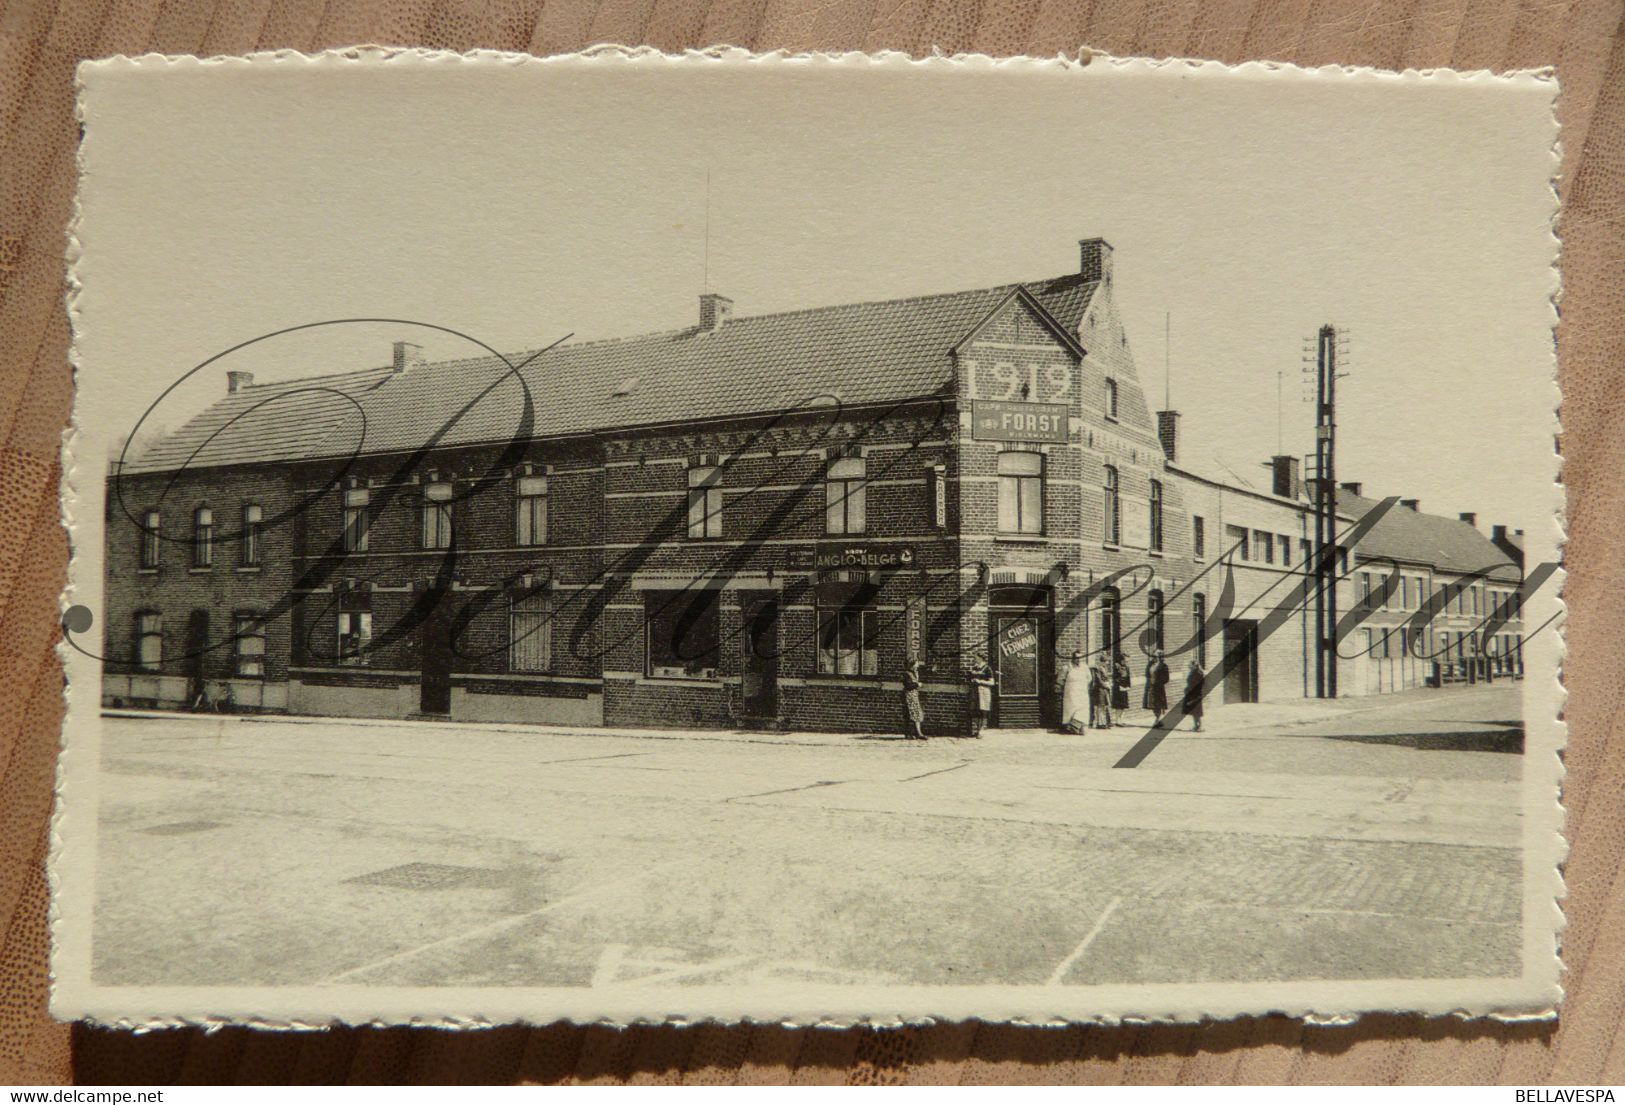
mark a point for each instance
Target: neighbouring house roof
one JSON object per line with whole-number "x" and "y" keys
{"x": 854, "y": 354}
{"x": 1409, "y": 535}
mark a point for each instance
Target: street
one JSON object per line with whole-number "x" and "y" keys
{"x": 1365, "y": 838}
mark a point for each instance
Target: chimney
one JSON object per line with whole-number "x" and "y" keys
{"x": 715, "y": 310}
{"x": 1095, "y": 259}
{"x": 1469, "y": 517}
{"x": 237, "y": 381}
{"x": 1285, "y": 470}
{"x": 1498, "y": 534}
{"x": 1168, "y": 433}
{"x": 1411, "y": 504}
{"x": 408, "y": 354}
{"x": 1352, "y": 487}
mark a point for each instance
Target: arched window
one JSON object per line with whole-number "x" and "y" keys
{"x": 1021, "y": 493}
{"x": 1111, "y": 513}
{"x": 202, "y": 537}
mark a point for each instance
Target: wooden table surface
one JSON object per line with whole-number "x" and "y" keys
{"x": 42, "y": 40}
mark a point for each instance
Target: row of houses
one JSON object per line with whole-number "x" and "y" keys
{"x": 752, "y": 521}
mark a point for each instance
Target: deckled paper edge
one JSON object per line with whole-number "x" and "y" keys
{"x": 1543, "y": 883}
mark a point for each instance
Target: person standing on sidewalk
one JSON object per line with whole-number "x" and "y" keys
{"x": 1122, "y": 680}
{"x": 982, "y": 683}
{"x": 1100, "y": 694}
{"x": 1156, "y": 688}
{"x": 1074, "y": 695}
{"x": 913, "y": 711}
{"x": 1193, "y": 693}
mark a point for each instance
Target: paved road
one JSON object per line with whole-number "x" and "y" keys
{"x": 1372, "y": 839}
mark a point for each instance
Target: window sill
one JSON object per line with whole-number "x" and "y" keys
{"x": 837, "y": 677}
{"x": 198, "y": 571}
{"x": 146, "y": 571}
{"x": 250, "y": 569}
{"x": 704, "y": 680}
{"x": 1111, "y": 547}
{"x": 1020, "y": 539}
{"x": 1158, "y": 553}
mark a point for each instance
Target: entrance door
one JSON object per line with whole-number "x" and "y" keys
{"x": 197, "y": 647}
{"x": 759, "y": 683}
{"x": 1241, "y": 660}
{"x": 435, "y": 634}
{"x": 1021, "y": 650}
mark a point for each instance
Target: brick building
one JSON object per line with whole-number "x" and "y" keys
{"x": 747, "y": 521}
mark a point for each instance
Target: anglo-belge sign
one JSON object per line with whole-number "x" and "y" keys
{"x": 995, "y": 420}
{"x": 853, "y": 556}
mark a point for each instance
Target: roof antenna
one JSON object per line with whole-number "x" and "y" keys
{"x": 705, "y": 279}
{"x": 1167, "y": 361}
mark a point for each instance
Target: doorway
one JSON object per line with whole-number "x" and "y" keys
{"x": 759, "y": 682}
{"x": 435, "y": 633}
{"x": 197, "y": 647}
{"x": 1240, "y": 660}
{"x": 1021, "y": 650}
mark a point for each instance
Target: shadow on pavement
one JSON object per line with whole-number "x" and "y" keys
{"x": 1506, "y": 737}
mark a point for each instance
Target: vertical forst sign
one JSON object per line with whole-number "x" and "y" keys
{"x": 914, "y": 629}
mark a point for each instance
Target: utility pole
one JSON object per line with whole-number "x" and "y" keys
{"x": 1326, "y": 557}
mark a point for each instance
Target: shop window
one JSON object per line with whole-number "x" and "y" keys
{"x": 1111, "y": 512}
{"x": 354, "y": 637}
{"x": 253, "y": 524}
{"x": 704, "y": 502}
{"x": 149, "y": 539}
{"x": 202, "y": 537}
{"x": 436, "y": 532}
{"x": 1021, "y": 493}
{"x": 356, "y": 520}
{"x": 530, "y": 633}
{"x": 682, "y": 633}
{"x": 1156, "y": 515}
{"x": 530, "y": 511}
{"x": 1237, "y": 537}
{"x": 1198, "y": 537}
{"x": 848, "y": 635}
{"x": 149, "y": 640}
{"x": 844, "y": 498}
{"x": 248, "y": 635}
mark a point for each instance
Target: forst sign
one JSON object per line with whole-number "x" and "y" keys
{"x": 996, "y": 420}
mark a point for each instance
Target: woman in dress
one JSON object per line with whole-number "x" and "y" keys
{"x": 913, "y": 711}
{"x": 1121, "y": 681}
{"x": 1193, "y": 693}
{"x": 1156, "y": 688}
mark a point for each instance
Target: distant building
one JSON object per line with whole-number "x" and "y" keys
{"x": 751, "y": 521}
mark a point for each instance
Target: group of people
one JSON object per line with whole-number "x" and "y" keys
{"x": 1098, "y": 692}
{"x": 1103, "y": 689}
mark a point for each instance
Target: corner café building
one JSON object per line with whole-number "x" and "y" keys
{"x": 747, "y": 521}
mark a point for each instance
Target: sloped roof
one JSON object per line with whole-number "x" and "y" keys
{"x": 853, "y": 353}
{"x": 1410, "y": 535}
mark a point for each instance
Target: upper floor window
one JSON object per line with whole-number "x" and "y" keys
{"x": 1286, "y": 551}
{"x": 149, "y": 640}
{"x": 1021, "y": 492}
{"x": 436, "y": 532}
{"x": 1156, "y": 515}
{"x": 248, "y": 633}
{"x": 530, "y": 633}
{"x": 1198, "y": 537}
{"x": 1264, "y": 545}
{"x": 530, "y": 511}
{"x": 149, "y": 539}
{"x": 1111, "y": 398}
{"x": 704, "y": 502}
{"x": 253, "y": 523}
{"x": 356, "y": 521}
{"x": 1111, "y": 513}
{"x": 1365, "y": 588}
{"x": 202, "y": 537}
{"x": 1237, "y": 536}
{"x": 844, "y": 500}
